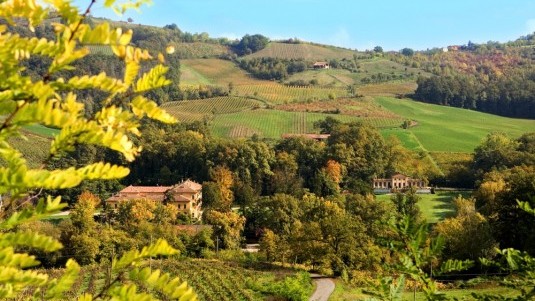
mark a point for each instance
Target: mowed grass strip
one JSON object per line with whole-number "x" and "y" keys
{"x": 448, "y": 129}
{"x": 406, "y": 138}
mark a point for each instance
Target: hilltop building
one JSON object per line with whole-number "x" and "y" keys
{"x": 397, "y": 181}
{"x": 186, "y": 196}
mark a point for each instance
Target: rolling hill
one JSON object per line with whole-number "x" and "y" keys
{"x": 283, "y": 109}
{"x": 441, "y": 128}
{"x": 303, "y": 51}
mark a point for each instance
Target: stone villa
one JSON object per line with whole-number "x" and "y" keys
{"x": 187, "y": 196}
{"x": 397, "y": 181}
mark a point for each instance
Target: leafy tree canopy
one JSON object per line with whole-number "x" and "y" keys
{"x": 51, "y": 99}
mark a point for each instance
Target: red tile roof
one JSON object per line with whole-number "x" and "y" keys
{"x": 145, "y": 189}
{"x": 180, "y": 199}
{"x": 187, "y": 186}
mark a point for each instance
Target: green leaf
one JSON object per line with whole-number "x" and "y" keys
{"x": 160, "y": 248}
{"x": 141, "y": 106}
{"x": 153, "y": 79}
{"x": 29, "y": 239}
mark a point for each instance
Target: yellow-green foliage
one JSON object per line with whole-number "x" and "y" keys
{"x": 52, "y": 101}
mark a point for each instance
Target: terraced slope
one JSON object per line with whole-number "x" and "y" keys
{"x": 304, "y": 50}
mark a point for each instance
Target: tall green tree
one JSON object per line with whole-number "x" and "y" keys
{"x": 51, "y": 99}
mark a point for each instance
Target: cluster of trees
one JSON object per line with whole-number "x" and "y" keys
{"x": 272, "y": 68}
{"x": 382, "y": 77}
{"x": 250, "y": 44}
{"x": 49, "y": 96}
{"x": 357, "y": 152}
{"x": 340, "y": 234}
{"x": 202, "y": 92}
{"x": 512, "y": 95}
{"x": 503, "y": 172}
{"x": 133, "y": 225}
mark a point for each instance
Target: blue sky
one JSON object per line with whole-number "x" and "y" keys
{"x": 418, "y": 24}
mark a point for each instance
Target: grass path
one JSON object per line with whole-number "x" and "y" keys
{"x": 431, "y": 159}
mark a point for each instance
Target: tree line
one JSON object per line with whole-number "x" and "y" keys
{"x": 512, "y": 96}
{"x": 272, "y": 68}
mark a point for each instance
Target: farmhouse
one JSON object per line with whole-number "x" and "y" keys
{"x": 398, "y": 181}
{"x": 186, "y": 196}
{"x": 321, "y": 65}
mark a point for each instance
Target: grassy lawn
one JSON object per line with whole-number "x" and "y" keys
{"x": 345, "y": 292}
{"x": 434, "y": 207}
{"x": 443, "y": 128}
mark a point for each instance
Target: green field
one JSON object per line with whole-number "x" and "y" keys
{"x": 447, "y": 129}
{"x": 434, "y": 207}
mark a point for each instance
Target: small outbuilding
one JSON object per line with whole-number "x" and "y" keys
{"x": 321, "y": 65}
